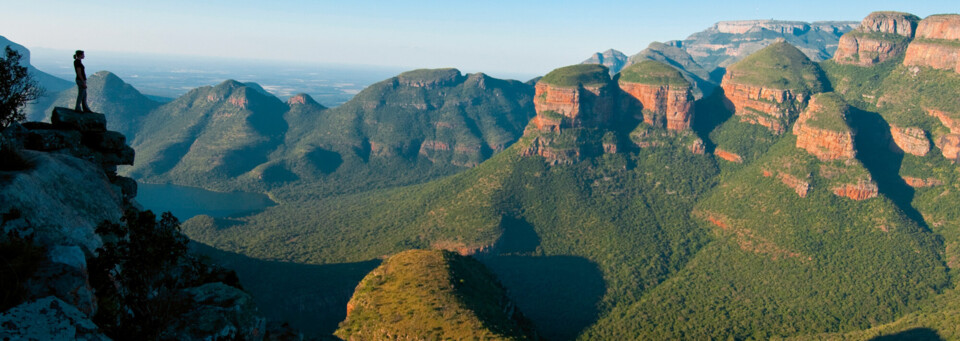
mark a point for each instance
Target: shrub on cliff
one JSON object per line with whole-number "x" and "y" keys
{"x": 139, "y": 272}
{"x": 16, "y": 88}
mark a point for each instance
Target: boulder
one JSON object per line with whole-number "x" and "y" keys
{"x": 63, "y": 118}
{"x": 48, "y": 319}
{"x": 64, "y": 274}
{"x": 218, "y": 312}
{"x": 105, "y": 141}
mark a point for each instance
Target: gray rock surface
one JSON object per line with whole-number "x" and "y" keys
{"x": 47, "y": 319}
{"x": 220, "y": 312}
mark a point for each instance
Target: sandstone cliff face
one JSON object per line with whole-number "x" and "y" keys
{"x": 729, "y": 156}
{"x": 899, "y": 23}
{"x": 768, "y": 107}
{"x": 860, "y": 191}
{"x": 920, "y": 183}
{"x": 825, "y": 144}
{"x": 949, "y": 144}
{"x": 909, "y": 140}
{"x": 663, "y": 105}
{"x": 581, "y": 106}
{"x": 937, "y": 44}
{"x": 876, "y": 40}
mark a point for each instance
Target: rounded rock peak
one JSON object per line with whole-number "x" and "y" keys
{"x": 653, "y": 72}
{"x": 940, "y": 26}
{"x": 587, "y": 75}
{"x": 901, "y": 23}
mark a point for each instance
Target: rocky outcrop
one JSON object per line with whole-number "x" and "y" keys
{"x": 899, "y": 23}
{"x": 218, "y": 312}
{"x": 799, "y": 186}
{"x": 727, "y": 42}
{"x": 430, "y": 78}
{"x": 937, "y": 43}
{"x": 729, "y": 156}
{"x": 921, "y": 183}
{"x": 665, "y": 97}
{"x": 910, "y": 140}
{"x": 544, "y": 146}
{"x": 880, "y": 37}
{"x": 768, "y": 107}
{"x": 862, "y": 190}
{"x": 761, "y": 90}
{"x": 949, "y": 145}
{"x": 822, "y": 130}
{"x": 48, "y": 319}
{"x": 572, "y": 107}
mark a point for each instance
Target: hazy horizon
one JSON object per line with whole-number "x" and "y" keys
{"x": 503, "y": 39}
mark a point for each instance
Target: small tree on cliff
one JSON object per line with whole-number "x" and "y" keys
{"x": 17, "y": 88}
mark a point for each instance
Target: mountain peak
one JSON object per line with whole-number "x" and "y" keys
{"x": 303, "y": 99}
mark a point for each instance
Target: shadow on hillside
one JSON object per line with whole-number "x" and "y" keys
{"x": 872, "y": 141}
{"x": 312, "y": 298}
{"x": 709, "y": 113}
{"x": 915, "y": 334}
{"x": 558, "y": 293}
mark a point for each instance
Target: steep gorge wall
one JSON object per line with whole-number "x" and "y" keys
{"x": 937, "y": 43}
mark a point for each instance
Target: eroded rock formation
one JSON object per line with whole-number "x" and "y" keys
{"x": 862, "y": 190}
{"x": 880, "y": 37}
{"x": 663, "y": 104}
{"x": 822, "y": 130}
{"x": 754, "y": 104}
{"x": 937, "y": 43}
{"x": 911, "y": 140}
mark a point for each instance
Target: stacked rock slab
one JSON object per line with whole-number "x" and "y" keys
{"x": 771, "y": 86}
{"x": 665, "y": 96}
{"x": 881, "y": 36}
{"x": 937, "y": 43}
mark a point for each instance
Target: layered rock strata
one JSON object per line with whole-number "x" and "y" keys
{"x": 861, "y": 190}
{"x": 665, "y": 97}
{"x": 881, "y": 36}
{"x": 937, "y": 43}
{"x": 769, "y": 107}
{"x": 821, "y": 130}
{"x": 909, "y": 140}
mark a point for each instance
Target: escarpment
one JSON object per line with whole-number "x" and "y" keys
{"x": 771, "y": 86}
{"x": 880, "y": 37}
{"x": 665, "y": 96}
{"x": 574, "y": 96}
{"x": 937, "y": 43}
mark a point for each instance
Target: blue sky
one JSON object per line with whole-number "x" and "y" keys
{"x": 512, "y": 37}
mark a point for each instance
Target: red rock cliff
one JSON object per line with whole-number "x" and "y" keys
{"x": 910, "y": 140}
{"x": 865, "y": 48}
{"x": 937, "y": 44}
{"x": 768, "y": 107}
{"x": 665, "y": 104}
{"x": 579, "y": 105}
{"x": 825, "y": 144}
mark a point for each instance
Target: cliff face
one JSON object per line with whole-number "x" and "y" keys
{"x": 727, "y": 42}
{"x": 910, "y": 140}
{"x": 859, "y": 191}
{"x": 771, "y": 108}
{"x": 578, "y": 106}
{"x": 771, "y": 86}
{"x": 880, "y": 37}
{"x": 937, "y": 43}
{"x": 667, "y": 105}
{"x": 821, "y": 130}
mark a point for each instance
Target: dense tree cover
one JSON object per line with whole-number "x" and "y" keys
{"x": 653, "y": 72}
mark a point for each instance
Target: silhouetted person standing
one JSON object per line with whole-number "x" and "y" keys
{"x": 81, "y": 82}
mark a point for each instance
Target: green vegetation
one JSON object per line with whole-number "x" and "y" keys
{"x": 653, "y": 72}
{"x": 748, "y": 140}
{"x": 831, "y": 114}
{"x": 429, "y": 76}
{"x": 579, "y": 74}
{"x": 782, "y": 265}
{"x": 779, "y": 66}
{"x": 908, "y": 92}
{"x": 138, "y": 272}
{"x": 859, "y": 86}
{"x": 422, "y": 294}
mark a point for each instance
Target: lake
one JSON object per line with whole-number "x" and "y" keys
{"x": 186, "y": 202}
